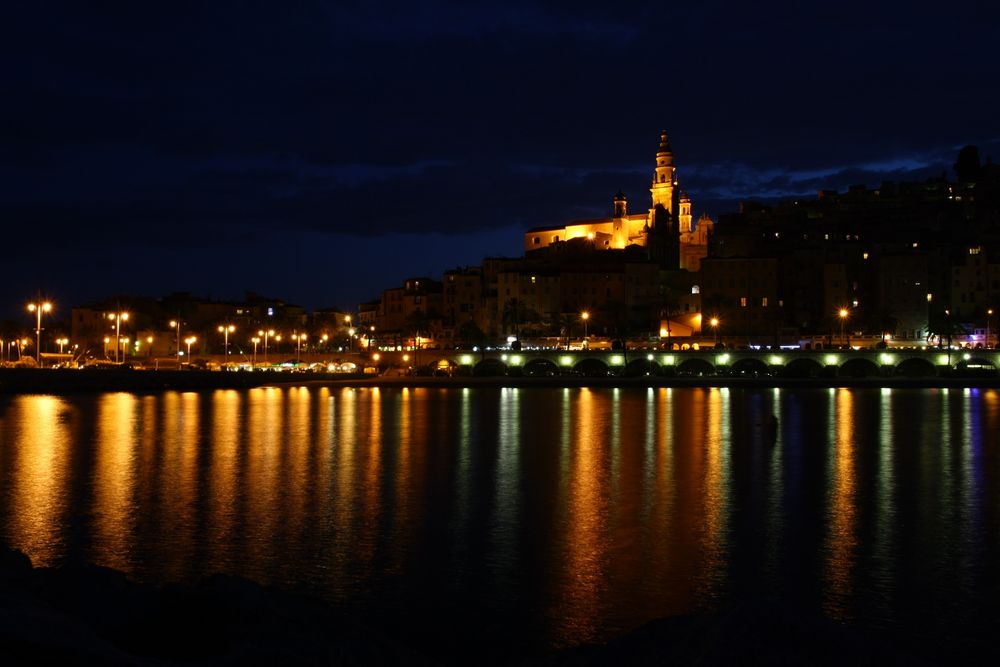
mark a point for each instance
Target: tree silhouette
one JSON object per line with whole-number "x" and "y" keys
{"x": 967, "y": 167}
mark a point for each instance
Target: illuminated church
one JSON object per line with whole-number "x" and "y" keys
{"x": 665, "y": 229}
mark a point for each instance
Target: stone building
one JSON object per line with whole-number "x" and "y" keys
{"x": 665, "y": 229}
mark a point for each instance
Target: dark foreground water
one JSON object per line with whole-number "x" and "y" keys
{"x": 527, "y": 519}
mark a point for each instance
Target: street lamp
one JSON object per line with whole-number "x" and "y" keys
{"x": 38, "y": 309}
{"x": 989, "y": 315}
{"x": 843, "y": 318}
{"x": 225, "y": 330}
{"x": 124, "y": 343}
{"x": 61, "y": 342}
{"x": 255, "y": 340}
{"x": 947, "y": 314}
{"x": 118, "y": 318}
{"x": 176, "y": 324}
{"x": 585, "y": 316}
{"x": 350, "y": 339}
{"x": 266, "y": 334}
{"x": 188, "y": 341}
{"x": 715, "y": 328}
{"x": 298, "y": 338}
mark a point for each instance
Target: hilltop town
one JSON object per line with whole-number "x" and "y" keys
{"x": 902, "y": 264}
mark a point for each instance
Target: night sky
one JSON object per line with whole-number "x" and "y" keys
{"x": 320, "y": 152}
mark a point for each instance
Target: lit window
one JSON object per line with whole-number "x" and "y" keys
{"x": 915, "y": 244}
{"x": 975, "y": 251}
{"x": 763, "y": 301}
{"x": 864, "y": 255}
{"x": 695, "y": 289}
{"x": 743, "y": 302}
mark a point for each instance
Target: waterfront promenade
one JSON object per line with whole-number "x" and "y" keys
{"x": 62, "y": 381}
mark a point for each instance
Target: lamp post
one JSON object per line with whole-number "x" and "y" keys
{"x": 176, "y": 324}
{"x": 298, "y": 338}
{"x": 266, "y": 334}
{"x": 61, "y": 342}
{"x": 124, "y": 343}
{"x": 843, "y": 318}
{"x": 350, "y": 339}
{"x": 715, "y": 329}
{"x": 118, "y": 318}
{"x": 188, "y": 341}
{"x": 255, "y": 340}
{"x": 38, "y": 309}
{"x": 585, "y": 316}
{"x": 225, "y": 330}
{"x": 989, "y": 315}
{"x": 947, "y": 314}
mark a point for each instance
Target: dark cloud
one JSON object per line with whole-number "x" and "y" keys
{"x": 238, "y": 119}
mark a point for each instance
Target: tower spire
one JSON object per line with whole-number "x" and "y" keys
{"x": 664, "y": 149}
{"x": 663, "y": 176}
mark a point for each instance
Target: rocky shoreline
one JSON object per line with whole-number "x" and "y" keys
{"x": 96, "y": 615}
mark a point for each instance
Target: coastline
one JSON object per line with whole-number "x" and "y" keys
{"x": 69, "y": 381}
{"x": 87, "y": 613}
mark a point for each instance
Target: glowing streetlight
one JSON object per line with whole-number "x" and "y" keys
{"x": 298, "y": 338}
{"x": 585, "y": 316}
{"x": 989, "y": 315}
{"x": 255, "y": 340}
{"x": 350, "y": 339}
{"x": 189, "y": 340}
{"x": 124, "y": 343}
{"x": 38, "y": 309}
{"x": 715, "y": 328}
{"x": 266, "y": 334}
{"x": 843, "y": 319}
{"x": 225, "y": 330}
{"x": 62, "y": 342}
{"x": 176, "y": 324}
{"x": 118, "y": 318}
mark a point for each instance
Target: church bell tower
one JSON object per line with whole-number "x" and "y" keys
{"x": 663, "y": 177}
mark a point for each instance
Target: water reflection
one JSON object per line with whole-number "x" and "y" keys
{"x": 35, "y": 472}
{"x": 841, "y": 539}
{"x": 114, "y": 476}
{"x": 568, "y": 514}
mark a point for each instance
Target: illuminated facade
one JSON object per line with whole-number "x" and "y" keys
{"x": 665, "y": 228}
